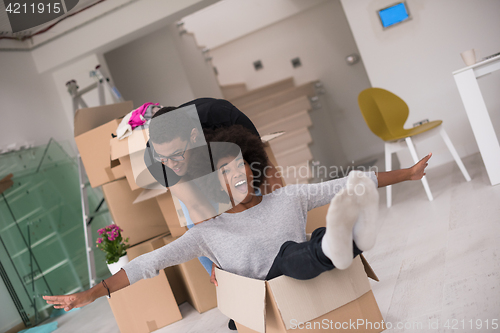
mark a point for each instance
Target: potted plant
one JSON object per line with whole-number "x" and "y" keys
{"x": 112, "y": 243}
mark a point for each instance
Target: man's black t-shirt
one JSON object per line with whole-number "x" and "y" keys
{"x": 213, "y": 114}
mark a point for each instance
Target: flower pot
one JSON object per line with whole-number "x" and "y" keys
{"x": 115, "y": 267}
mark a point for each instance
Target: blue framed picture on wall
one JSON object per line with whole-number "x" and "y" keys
{"x": 394, "y": 14}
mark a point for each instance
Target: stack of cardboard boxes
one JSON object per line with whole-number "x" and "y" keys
{"x": 148, "y": 218}
{"x": 152, "y": 218}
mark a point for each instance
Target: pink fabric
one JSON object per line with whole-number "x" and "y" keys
{"x": 137, "y": 118}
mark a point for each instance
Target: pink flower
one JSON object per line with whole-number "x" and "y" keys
{"x": 101, "y": 231}
{"x": 99, "y": 240}
{"x": 111, "y": 238}
{"x": 115, "y": 227}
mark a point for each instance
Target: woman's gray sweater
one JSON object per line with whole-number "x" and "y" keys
{"x": 244, "y": 243}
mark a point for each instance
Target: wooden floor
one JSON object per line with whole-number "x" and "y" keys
{"x": 438, "y": 262}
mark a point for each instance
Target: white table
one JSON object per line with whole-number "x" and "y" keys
{"x": 466, "y": 80}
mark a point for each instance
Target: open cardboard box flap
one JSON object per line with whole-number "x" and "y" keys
{"x": 150, "y": 193}
{"x": 243, "y": 299}
{"x": 368, "y": 269}
{"x": 268, "y": 137}
{"x": 90, "y": 118}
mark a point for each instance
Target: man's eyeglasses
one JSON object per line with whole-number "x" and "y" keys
{"x": 175, "y": 157}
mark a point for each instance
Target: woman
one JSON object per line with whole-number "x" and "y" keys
{"x": 264, "y": 236}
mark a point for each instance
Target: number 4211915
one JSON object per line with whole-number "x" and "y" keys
{"x": 23, "y": 8}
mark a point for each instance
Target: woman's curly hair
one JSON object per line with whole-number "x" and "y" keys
{"x": 251, "y": 146}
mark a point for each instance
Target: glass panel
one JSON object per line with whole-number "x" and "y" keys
{"x": 42, "y": 245}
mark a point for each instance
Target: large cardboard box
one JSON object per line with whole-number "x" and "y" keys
{"x": 200, "y": 292}
{"x": 189, "y": 281}
{"x": 140, "y": 221}
{"x": 283, "y": 304}
{"x": 171, "y": 211}
{"x": 333, "y": 300}
{"x": 173, "y": 273}
{"x": 147, "y": 305}
{"x": 93, "y": 129}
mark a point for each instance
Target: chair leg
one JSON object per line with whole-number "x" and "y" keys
{"x": 388, "y": 167}
{"x": 414, "y": 155}
{"x": 454, "y": 153}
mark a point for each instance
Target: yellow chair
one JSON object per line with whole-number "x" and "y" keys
{"x": 385, "y": 114}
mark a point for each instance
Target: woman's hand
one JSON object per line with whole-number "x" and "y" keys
{"x": 212, "y": 276}
{"x": 417, "y": 171}
{"x": 68, "y": 302}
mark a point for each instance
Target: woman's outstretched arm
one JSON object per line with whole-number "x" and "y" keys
{"x": 68, "y": 302}
{"x": 416, "y": 172}
{"x": 145, "y": 266}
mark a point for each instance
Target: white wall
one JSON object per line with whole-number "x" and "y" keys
{"x": 321, "y": 37}
{"x": 415, "y": 60}
{"x": 231, "y": 19}
{"x": 121, "y": 26}
{"x": 200, "y": 73}
{"x": 149, "y": 69}
{"x": 80, "y": 72}
{"x": 31, "y": 111}
{"x": 30, "y": 107}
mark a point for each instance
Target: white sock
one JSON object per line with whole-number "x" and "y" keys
{"x": 340, "y": 219}
{"x": 352, "y": 213}
{"x": 367, "y": 226}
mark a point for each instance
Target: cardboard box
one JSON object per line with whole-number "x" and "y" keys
{"x": 316, "y": 218}
{"x": 117, "y": 170}
{"x": 173, "y": 273}
{"x": 285, "y": 304}
{"x": 189, "y": 281}
{"x": 170, "y": 214}
{"x": 147, "y": 305}
{"x": 281, "y": 304}
{"x": 140, "y": 221}
{"x": 129, "y": 154}
{"x": 200, "y": 292}
{"x": 169, "y": 206}
{"x": 93, "y": 128}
